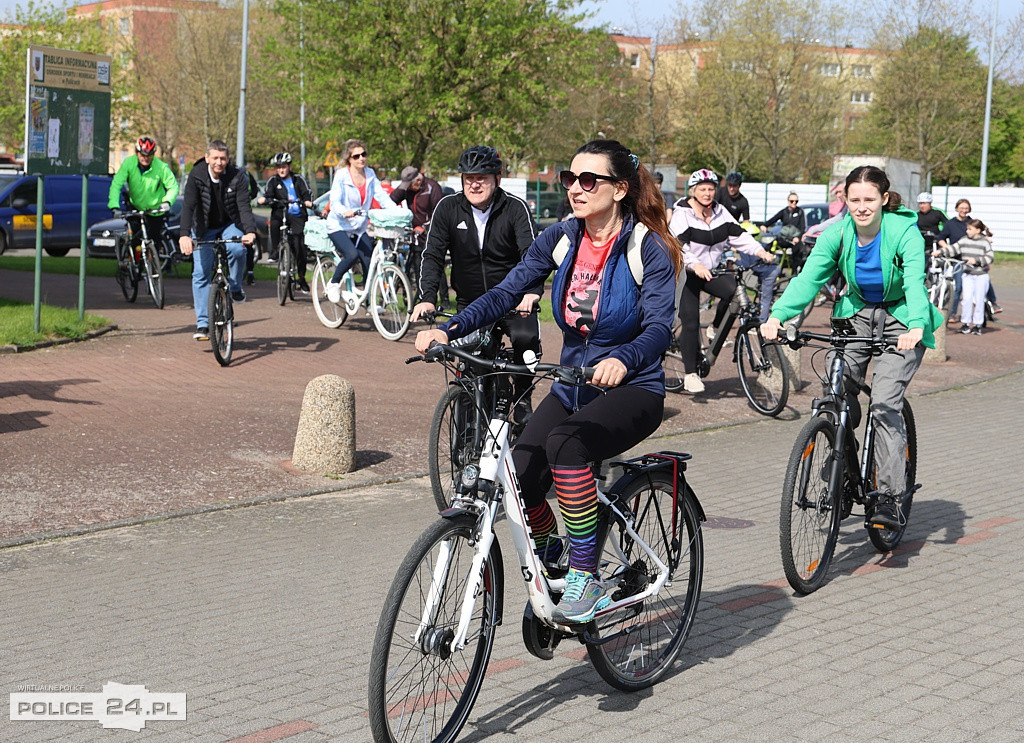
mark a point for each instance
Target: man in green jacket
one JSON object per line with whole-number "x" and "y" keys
{"x": 152, "y": 188}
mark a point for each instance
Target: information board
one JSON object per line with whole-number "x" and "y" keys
{"x": 67, "y": 112}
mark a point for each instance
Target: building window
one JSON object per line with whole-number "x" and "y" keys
{"x": 125, "y": 26}
{"x": 829, "y": 69}
{"x": 861, "y": 96}
{"x": 634, "y": 60}
{"x": 861, "y": 70}
{"x": 744, "y": 67}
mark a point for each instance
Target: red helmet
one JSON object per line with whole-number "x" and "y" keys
{"x": 145, "y": 146}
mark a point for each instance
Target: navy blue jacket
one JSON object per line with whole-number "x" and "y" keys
{"x": 633, "y": 324}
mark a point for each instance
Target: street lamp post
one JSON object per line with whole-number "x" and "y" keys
{"x": 983, "y": 180}
{"x": 240, "y": 141}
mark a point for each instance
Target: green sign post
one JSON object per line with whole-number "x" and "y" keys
{"x": 67, "y": 131}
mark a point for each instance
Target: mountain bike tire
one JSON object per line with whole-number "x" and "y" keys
{"x": 763, "y": 372}
{"x": 154, "y": 274}
{"x": 222, "y": 326}
{"x": 284, "y": 273}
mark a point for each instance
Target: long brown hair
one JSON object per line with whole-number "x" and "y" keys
{"x": 980, "y": 226}
{"x": 643, "y": 199}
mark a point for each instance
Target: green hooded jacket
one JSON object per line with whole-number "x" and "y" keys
{"x": 902, "y": 253}
{"x": 145, "y": 190}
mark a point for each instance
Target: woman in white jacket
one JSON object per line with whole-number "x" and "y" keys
{"x": 354, "y": 188}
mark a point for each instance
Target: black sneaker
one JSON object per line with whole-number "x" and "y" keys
{"x": 201, "y": 334}
{"x": 303, "y": 286}
{"x": 250, "y": 278}
{"x": 887, "y": 511}
{"x": 965, "y": 330}
{"x": 238, "y": 296}
{"x": 976, "y": 331}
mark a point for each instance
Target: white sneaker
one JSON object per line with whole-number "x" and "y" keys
{"x": 692, "y": 383}
{"x": 711, "y": 332}
{"x": 333, "y": 292}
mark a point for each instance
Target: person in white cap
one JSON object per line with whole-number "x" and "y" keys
{"x": 929, "y": 220}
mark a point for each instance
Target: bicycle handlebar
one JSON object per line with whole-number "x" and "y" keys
{"x": 218, "y": 241}
{"x": 795, "y": 338}
{"x": 145, "y": 212}
{"x": 572, "y": 375}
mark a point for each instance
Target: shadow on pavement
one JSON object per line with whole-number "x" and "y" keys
{"x": 710, "y": 639}
{"x": 40, "y": 390}
{"x": 27, "y": 420}
{"x": 247, "y": 350}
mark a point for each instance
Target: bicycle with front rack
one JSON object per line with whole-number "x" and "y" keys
{"x": 144, "y": 260}
{"x": 462, "y": 415}
{"x": 762, "y": 370}
{"x": 824, "y": 480}
{"x": 386, "y": 291}
{"x": 436, "y": 630}
{"x": 221, "y": 310}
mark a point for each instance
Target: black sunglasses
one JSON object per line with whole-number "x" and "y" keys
{"x": 588, "y": 181}
{"x": 355, "y": 155}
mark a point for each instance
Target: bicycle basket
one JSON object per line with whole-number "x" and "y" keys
{"x": 390, "y": 223}
{"x": 315, "y": 236}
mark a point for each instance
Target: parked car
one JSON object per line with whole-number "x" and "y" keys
{"x": 545, "y": 204}
{"x": 62, "y": 210}
{"x": 815, "y": 213}
{"x": 102, "y": 236}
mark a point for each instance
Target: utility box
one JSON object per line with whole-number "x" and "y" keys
{"x": 904, "y": 175}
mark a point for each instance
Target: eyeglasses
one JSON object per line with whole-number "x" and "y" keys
{"x": 793, "y": 201}
{"x": 356, "y": 155}
{"x": 588, "y": 181}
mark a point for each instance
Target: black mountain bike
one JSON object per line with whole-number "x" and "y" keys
{"x": 824, "y": 480}
{"x": 288, "y": 269}
{"x": 459, "y": 426}
{"x": 221, "y": 308}
{"x": 144, "y": 261}
{"x": 763, "y": 373}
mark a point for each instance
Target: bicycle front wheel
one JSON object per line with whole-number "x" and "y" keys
{"x": 420, "y": 689}
{"x": 331, "y": 315}
{"x": 450, "y": 446}
{"x": 763, "y": 373}
{"x": 127, "y": 274}
{"x": 391, "y": 303}
{"x": 222, "y": 330}
{"x": 643, "y": 640}
{"x": 154, "y": 274}
{"x": 672, "y": 363}
{"x": 810, "y": 514}
{"x": 885, "y": 540}
{"x": 284, "y": 272}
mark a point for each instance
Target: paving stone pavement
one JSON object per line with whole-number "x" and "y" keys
{"x": 264, "y": 616}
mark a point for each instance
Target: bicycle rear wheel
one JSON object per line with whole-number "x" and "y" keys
{"x": 222, "y": 330}
{"x": 643, "y": 640}
{"x": 419, "y": 688}
{"x": 284, "y": 273}
{"x": 391, "y": 302}
{"x": 810, "y": 514}
{"x": 672, "y": 363}
{"x": 331, "y": 315}
{"x": 885, "y": 540}
{"x": 450, "y": 446}
{"x": 154, "y": 274}
{"x": 763, "y": 373}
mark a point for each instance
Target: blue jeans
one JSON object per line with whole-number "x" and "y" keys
{"x": 766, "y": 274}
{"x": 958, "y": 285}
{"x": 203, "y": 262}
{"x": 361, "y": 250}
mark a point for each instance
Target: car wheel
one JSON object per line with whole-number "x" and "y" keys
{"x": 547, "y": 213}
{"x": 57, "y": 252}
{"x": 3, "y": 242}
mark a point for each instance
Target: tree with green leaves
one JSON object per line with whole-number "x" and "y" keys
{"x": 420, "y": 80}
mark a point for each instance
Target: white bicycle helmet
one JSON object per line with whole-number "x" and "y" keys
{"x": 702, "y": 176}
{"x": 281, "y": 158}
{"x": 924, "y": 198}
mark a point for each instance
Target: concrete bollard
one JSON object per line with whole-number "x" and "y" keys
{"x": 937, "y": 355}
{"x": 791, "y": 357}
{"x": 326, "y": 438}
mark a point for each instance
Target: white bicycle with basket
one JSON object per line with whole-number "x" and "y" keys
{"x": 386, "y": 293}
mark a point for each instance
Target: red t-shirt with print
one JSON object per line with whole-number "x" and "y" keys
{"x": 583, "y": 295}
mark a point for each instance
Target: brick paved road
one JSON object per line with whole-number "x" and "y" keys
{"x": 264, "y": 615}
{"x": 142, "y": 422}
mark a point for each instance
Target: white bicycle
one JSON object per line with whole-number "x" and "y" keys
{"x": 436, "y": 630}
{"x": 941, "y": 282}
{"x": 386, "y": 292}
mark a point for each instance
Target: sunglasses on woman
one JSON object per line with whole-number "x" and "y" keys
{"x": 357, "y": 155}
{"x": 588, "y": 181}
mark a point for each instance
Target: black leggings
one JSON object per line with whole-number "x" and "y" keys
{"x": 604, "y": 428}
{"x": 723, "y": 287}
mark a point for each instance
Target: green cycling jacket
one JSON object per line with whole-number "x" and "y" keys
{"x": 145, "y": 190}
{"x": 902, "y": 253}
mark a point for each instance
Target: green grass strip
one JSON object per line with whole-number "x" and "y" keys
{"x": 16, "y": 323}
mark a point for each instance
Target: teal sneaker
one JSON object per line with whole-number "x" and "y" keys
{"x": 584, "y": 596}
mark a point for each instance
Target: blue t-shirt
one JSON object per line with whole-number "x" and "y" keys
{"x": 293, "y": 197}
{"x": 869, "y": 270}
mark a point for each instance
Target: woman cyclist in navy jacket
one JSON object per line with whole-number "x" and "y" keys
{"x": 610, "y": 321}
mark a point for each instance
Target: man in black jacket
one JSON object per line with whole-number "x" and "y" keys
{"x": 216, "y": 205}
{"x": 486, "y": 231}
{"x": 730, "y": 197}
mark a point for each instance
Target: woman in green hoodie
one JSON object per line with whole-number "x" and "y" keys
{"x": 880, "y": 252}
